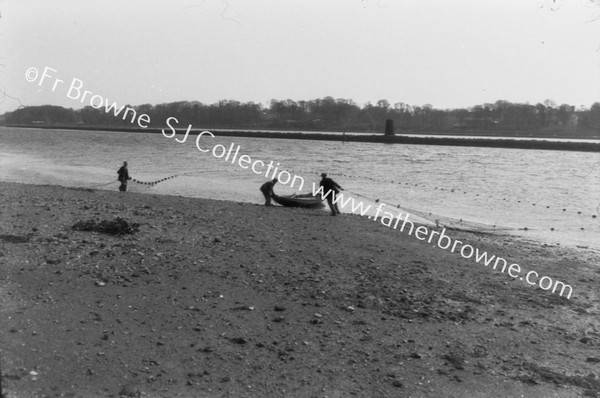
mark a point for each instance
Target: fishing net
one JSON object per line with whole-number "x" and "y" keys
{"x": 439, "y": 220}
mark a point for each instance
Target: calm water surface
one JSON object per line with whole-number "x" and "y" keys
{"x": 484, "y": 187}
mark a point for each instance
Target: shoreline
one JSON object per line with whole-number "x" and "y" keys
{"x": 219, "y": 298}
{"x": 419, "y": 220}
{"x": 396, "y": 139}
{"x": 519, "y": 233}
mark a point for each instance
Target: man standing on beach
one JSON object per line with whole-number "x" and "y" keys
{"x": 123, "y": 177}
{"x": 334, "y": 188}
{"x": 267, "y": 191}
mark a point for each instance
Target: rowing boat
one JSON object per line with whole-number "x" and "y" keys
{"x": 305, "y": 200}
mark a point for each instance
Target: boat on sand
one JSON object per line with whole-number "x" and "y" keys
{"x": 304, "y": 200}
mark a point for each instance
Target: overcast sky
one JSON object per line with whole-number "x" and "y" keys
{"x": 447, "y": 53}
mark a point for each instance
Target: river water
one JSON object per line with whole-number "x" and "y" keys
{"x": 554, "y": 194}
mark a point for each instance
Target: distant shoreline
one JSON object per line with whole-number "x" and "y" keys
{"x": 363, "y": 137}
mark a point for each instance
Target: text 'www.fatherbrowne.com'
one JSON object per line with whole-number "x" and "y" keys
{"x": 444, "y": 242}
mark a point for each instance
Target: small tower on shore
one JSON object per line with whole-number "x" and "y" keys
{"x": 389, "y": 127}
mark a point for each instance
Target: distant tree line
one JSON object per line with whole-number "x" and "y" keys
{"x": 329, "y": 114}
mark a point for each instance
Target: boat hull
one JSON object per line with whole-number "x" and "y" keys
{"x": 306, "y": 201}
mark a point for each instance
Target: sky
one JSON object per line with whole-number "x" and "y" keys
{"x": 447, "y": 53}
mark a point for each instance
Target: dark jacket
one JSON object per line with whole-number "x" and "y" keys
{"x": 329, "y": 185}
{"x": 123, "y": 174}
{"x": 267, "y": 187}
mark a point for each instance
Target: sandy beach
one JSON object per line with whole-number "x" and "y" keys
{"x": 225, "y": 299}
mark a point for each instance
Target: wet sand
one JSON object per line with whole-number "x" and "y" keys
{"x": 224, "y": 299}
